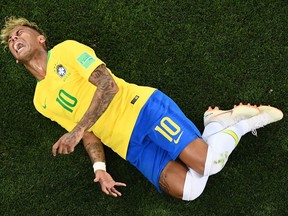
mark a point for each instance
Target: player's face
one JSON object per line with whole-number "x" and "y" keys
{"x": 23, "y": 41}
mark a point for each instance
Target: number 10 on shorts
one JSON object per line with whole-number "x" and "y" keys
{"x": 169, "y": 129}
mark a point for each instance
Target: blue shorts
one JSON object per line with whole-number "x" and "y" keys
{"x": 160, "y": 134}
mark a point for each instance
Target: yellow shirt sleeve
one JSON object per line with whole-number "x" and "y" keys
{"x": 81, "y": 57}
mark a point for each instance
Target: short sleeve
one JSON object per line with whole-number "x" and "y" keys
{"x": 81, "y": 57}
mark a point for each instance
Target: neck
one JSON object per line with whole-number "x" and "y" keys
{"x": 37, "y": 65}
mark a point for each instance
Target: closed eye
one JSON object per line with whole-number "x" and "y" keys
{"x": 19, "y": 32}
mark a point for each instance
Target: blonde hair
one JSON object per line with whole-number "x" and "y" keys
{"x": 13, "y": 22}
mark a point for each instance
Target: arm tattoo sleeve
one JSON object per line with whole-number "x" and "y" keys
{"x": 106, "y": 90}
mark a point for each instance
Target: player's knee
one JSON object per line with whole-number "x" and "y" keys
{"x": 194, "y": 185}
{"x": 215, "y": 161}
{"x": 194, "y": 155}
{"x": 172, "y": 179}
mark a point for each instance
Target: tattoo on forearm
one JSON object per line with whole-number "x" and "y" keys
{"x": 95, "y": 152}
{"x": 106, "y": 90}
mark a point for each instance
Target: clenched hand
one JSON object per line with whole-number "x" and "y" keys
{"x": 67, "y": 143}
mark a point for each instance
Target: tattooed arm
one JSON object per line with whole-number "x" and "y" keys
{"x": 93, "y": 147}
{"x": 105, "y": 92}
{"x": 95, "y": 151}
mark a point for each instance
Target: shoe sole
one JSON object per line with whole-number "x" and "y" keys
{"x": 230, "y": 117}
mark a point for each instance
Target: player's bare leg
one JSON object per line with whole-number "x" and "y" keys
{"x": 172, "y": 178}
{"x": 194, "y": 155}
{"x": 176, "y": 173}
{"x": 204, "y": 159}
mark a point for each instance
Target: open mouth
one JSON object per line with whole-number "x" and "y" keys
{"x": 18, "y": 46}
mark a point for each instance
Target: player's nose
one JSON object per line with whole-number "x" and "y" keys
{"x": 13, "y": 38}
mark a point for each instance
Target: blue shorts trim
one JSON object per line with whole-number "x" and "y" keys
{"x": 160, "y": 134}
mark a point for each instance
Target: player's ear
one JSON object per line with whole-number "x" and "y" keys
{"x": 42, "y": 39}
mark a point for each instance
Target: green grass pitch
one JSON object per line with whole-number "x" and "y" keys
{"x": 201, "y": 53}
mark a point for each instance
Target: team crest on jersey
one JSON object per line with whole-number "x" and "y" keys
{"x": 61, "y": 71}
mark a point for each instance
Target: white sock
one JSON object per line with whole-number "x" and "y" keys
{"x": 215, "y": 127}
{"x": 212, "y": 128}
{"x": 194, "y": 185}
{"x": 221, "y": 145}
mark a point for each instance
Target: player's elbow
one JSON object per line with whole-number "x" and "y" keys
{"x": 115, "y": 88}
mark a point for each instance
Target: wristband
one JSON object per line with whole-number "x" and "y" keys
{"x": 99, "y": 166}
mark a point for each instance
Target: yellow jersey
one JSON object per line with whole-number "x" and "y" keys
{"x": 65, "y": 95}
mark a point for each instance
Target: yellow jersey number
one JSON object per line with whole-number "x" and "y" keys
{"x": 169, "y": 129}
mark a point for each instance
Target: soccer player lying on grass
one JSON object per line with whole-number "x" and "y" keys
{"x": 141, "y": 124}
